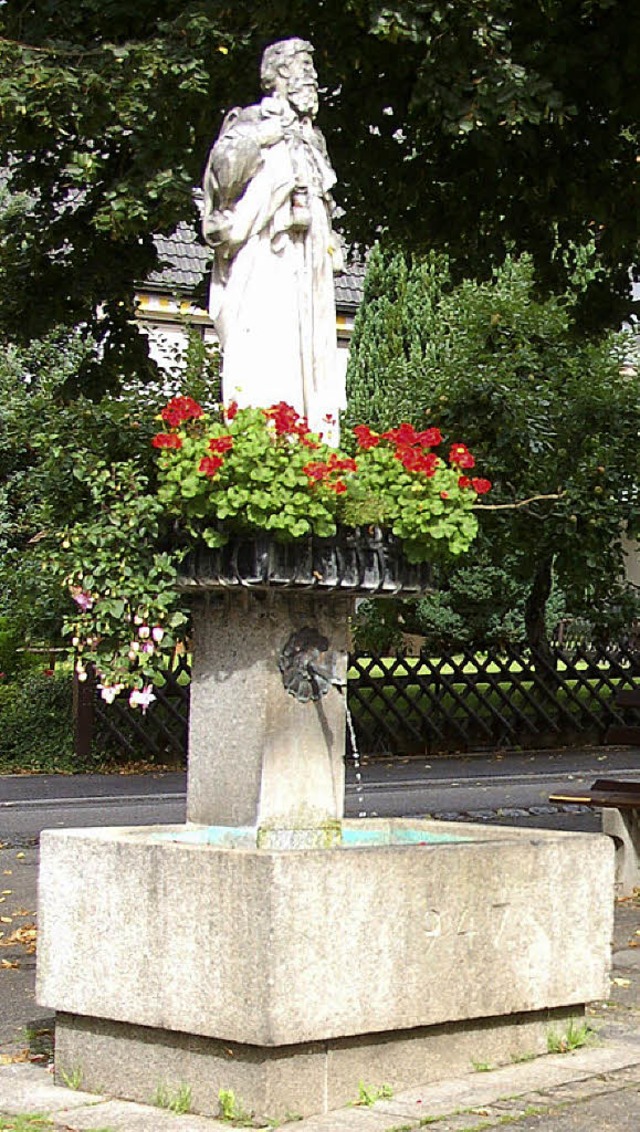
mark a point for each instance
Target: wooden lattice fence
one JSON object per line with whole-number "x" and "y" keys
{"x": 405, "y": 705}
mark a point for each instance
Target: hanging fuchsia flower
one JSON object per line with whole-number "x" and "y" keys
{"x": 142, "y": 697}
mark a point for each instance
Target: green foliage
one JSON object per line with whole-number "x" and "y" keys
{"x": 232, "y": 1109}
{"x": 548, "y": 410}
{"x": 56, "y": 455}
{"x": 369, "y": 1094}
{"x": 28, "y": 1122}
{"x": 577, "y": 1035}
{"x": 471, "y": 127}
{"x": 122, "y": 581}
{"x": 234, "y": 473}
{"x": 175, "y": 1100}
{"x": 36, "y": 731}
{"x": 264, "y": 471}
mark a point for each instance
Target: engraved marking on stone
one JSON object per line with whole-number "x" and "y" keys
{"x": 432, "y": 923}
{"x": 465, "y": 925}
{"x": 499, "y": 922}
{"x": 299, "y": 662}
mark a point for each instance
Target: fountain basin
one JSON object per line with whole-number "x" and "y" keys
{"x": 314, "y": 968}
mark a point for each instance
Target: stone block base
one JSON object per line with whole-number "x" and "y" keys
{"x": 134, "y": 1062}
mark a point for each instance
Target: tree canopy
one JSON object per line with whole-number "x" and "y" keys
{"x": 545, "y": 410}
{"x": 476, "y": 127}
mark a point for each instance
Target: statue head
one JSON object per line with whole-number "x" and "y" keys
{"x": 288, "y": 70}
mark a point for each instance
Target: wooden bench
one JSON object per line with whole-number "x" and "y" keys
{"x": 627, "y": 732}
{"x": 620, "y": 804}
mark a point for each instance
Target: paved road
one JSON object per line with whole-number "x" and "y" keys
{"x": 511, "y": 789}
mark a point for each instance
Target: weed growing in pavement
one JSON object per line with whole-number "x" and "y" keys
{"x": 29, "y": 1122}
{"x": 175, "y": 1100}
{"x": 73, "y": 1079}
{"x": 577, "y": 1035}
{"x": 232, "y": 1109}
{"x": 368, "y": 1095}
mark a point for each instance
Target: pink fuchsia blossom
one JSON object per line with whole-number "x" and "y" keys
{"x": 142, "y": 697}
{"x": 82, "y": 599}
{"x": 110, "y": 691}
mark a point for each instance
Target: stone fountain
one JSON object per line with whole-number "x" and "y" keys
{"x": 269, "y": 946}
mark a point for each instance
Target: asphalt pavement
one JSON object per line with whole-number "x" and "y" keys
{"x": 505, "y": 788}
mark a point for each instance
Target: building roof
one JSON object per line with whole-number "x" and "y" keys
{"x": 184, "y": 262}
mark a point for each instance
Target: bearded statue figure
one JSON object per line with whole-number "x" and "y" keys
{"x": 267, "y": 215}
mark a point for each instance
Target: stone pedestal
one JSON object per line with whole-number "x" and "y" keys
{"x": 258, "y": 756}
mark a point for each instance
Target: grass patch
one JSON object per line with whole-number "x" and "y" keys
{"x": 577, "y": 1035}
{"x": 369, "y": 1094}
{"x": 27, "y": 1123}
{"x": 233, "y": 1110}
{"x": 175, "y": 1100}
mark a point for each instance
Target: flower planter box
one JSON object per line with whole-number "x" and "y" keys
{"x": 367, "y": 563}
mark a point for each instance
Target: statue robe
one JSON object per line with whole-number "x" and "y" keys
{"x": 271, "y": 296}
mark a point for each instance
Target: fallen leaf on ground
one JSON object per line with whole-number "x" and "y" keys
{"x": 6, "y": 920}
{"x": 14, "y": 1058}
{"x": 19, "y": 856}
{"x": 621, "y": 982}
{"x": 5, "y": 964}
{"x": 25, "y": 936}
{"x": 23, "y": 912}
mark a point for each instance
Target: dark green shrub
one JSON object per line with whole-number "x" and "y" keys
{"x": 36, "y": 723}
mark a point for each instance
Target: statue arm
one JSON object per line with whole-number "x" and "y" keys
{"x": 234, "y": 160}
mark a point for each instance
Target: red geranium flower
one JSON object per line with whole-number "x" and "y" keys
{"x": 405, "y": 434}
{"x": 166, "y": 440}
{"x": 430, "y": 438}
{"x": 481, "y": 486}
{"x": 464, "y": 481}
{"x": 415, "y": 460}
{"x": 316, "y": 471}
{"x": 210, "y": 465}
{"x": 218, "y": 445}
{"x": 366, "y": 437}
{"x": 286, "y": 420}
{"x": 181, "y": 409}
{"x": 460, "y": 455}
{"x": 231, "y": 410}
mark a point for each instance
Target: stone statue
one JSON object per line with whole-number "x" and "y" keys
{"x": 267, "y": 214}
